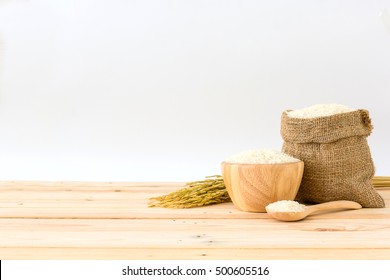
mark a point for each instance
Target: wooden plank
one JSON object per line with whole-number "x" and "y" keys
{"x": 26, "y": 196}
{"x": 98, "y": 253}
{"x": 82, "y": 188}
{"x": 90, "y": 186}
{"x": 82, "y": 185}
{"x": 125, "y": 213}
{"x": 144, "y": 192}
{"x": 141, "y": 211}
{"x": 116, "y": 192}
{"x": 310, "y": 234}
{"x": 129, "y": 204}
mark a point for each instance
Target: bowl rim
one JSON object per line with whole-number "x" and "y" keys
{"x": 261, "y": 164}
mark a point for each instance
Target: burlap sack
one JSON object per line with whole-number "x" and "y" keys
{"x": 338, "y": 163}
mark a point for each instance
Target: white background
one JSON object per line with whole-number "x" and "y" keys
{"x": 165, "y": 90}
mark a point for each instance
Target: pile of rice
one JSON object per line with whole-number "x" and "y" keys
{"x": 319, "y": 110}
{"x": 285, "y": 206}
{"x": 261, "y": 156}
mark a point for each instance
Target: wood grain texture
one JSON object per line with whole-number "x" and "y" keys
{"x": 253, "y": 186}
{"x": 76, "y": 220}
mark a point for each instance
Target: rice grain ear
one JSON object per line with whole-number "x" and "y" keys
{"x": 209, "y": 191}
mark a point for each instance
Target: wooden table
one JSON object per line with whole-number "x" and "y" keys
{"x": 80, "y": 220}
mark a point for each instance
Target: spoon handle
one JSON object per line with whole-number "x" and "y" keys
{"x": 334, "y": 205}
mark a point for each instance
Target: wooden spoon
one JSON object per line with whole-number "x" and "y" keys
{"x": 327, "y": 206}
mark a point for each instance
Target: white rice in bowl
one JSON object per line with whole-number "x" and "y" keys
{"x": 261, "y": 156}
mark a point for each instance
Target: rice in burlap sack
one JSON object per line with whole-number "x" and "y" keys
{"x": 338, "y": 163}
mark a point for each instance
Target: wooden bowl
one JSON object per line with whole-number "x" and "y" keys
{"x": 253, "y": 186}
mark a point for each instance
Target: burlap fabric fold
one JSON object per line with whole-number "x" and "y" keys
{"x": 338, "y": 163}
